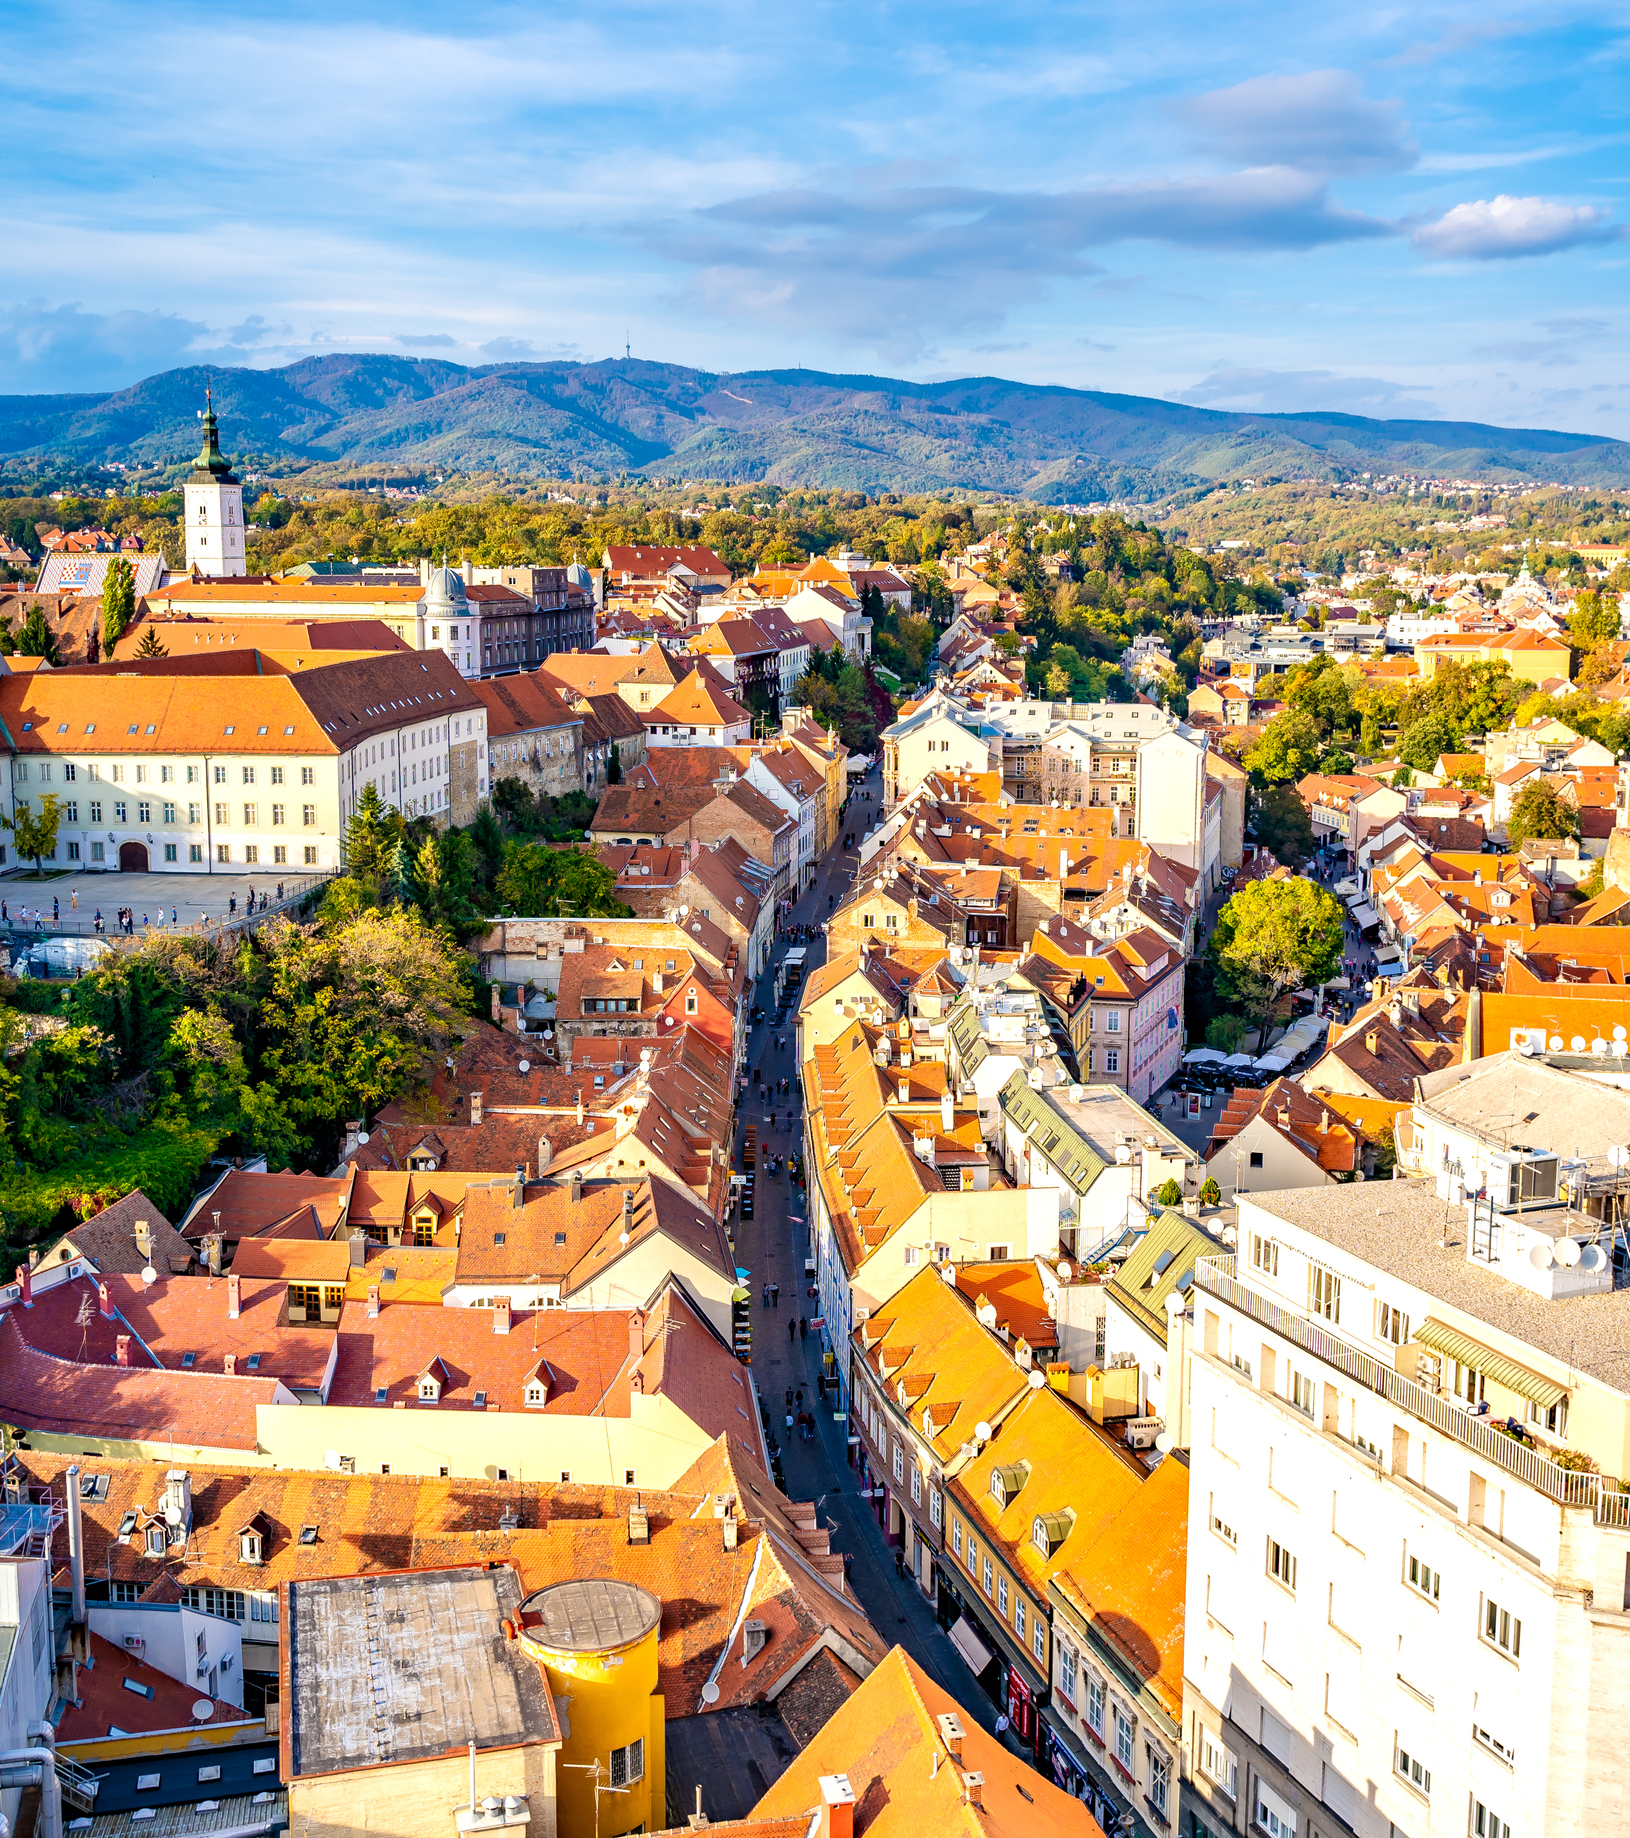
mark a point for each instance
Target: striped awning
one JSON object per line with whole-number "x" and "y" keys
{"x": 1452, "y": 1344}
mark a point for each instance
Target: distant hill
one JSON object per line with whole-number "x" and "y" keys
{"x": 786, "y": 427}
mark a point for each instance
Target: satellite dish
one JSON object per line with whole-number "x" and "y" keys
{"x": 525, "y": 1065}
{"x": 622, "y": 1238}
{"x": 1618, "y": 1032}
{"x": 982, "y": 1431}
{"x": 362, "y": 1136}
{"x": 1568, "y": 1253}
{"x": 1618, "y": 1154}
{"x": 172, "y": 1512}
{"x": 149, "y": 1276}
{"x": 1122, "y": 1152}
{"x": 1577, "y": 1043}
{"x": 1037, "y": 1378}
{"x": 332, "y": 1460}
{"x": 710, "y": 1693}
{"x": 1164, "y": 1443}
{"x": 1555, "y": 1043}
{"x": 1539, "y": 1255}
{"x": 1593, "y": 1259}
{"x": 1599, "y": 1047}
{"x": 202, "y": 1710}
{"x": 1064, "y": 1271}
{"x": 1525, "y": 1047}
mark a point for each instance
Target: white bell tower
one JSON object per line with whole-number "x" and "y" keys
{"x": 214, "y": 507}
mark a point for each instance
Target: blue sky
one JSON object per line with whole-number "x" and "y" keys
{"x": 1396, "y": 211}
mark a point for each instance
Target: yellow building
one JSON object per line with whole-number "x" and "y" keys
{"x": 596, "y": 1639}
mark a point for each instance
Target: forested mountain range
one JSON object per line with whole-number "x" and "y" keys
{"x": 405, "y": 416}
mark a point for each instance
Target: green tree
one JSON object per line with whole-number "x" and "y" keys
{"x": 557, "y": 883}
{"x": 614, "y": 765}
{"x": 1271, "y": 937}
{"x": 371, "y": 836}
{"x": 1226, "y": 1033}
{"x": 1281, "y": 823}
{"x": 1539, "y": 810}
{"x": 1169, "y": 1192}
{"x": 150, "y": 646}
{"x": 1423, "y": 741}
{"x": 35, "y": 836}
{"x": 1210, "y": 1192}
{"x": 118, "y": 602}
{"x": 1288, "y": 750}
{"x": 1594, "y": 619}
{"x": 36, "y": 638}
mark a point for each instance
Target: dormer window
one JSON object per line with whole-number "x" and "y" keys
{"x": 537, "y": 1394}
{"x": 249, "y": 1547}
{"x": 429, "y": 1390}
{"x": 155, "y": 1541}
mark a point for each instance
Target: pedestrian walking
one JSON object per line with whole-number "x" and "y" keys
{"x": 73, "y": 900}
{"x": 56, "y": 910}
{"x": 803, "y": 1328}
{"x": 232, "y": 906}
{"x": 775, "y": 1295}
{"x": 792, "y": 1334}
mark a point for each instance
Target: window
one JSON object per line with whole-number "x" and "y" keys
{"x": 1281, "y": 1565}
{"x": 956, "y": 1533}
{"x": 1112, "y": 1021}
{"x": 308, "y": 775}
{"x": 119, "y": 810}
{"x": 1001, "y": 1596}
{"x": 277, "y": 775}
{"x": 1264, "y": 1254}
{"x": 999, "y": 1253}
{"x": 1323, "y": 1292}
{"x": 1413, "y": 1770}
{"x": 1218, "y": 1764}
{"x": 195, "y": 852}
{"x": 308, "y": 814}
{"x": 263, "y": 1605}
{"x": 248, "y": 775}
{"x": 310, "y": 856}
{"x": 124, "y": 1592}
{"x": 71, "y": 811}
{"x": 251, "y": 816}
{"x": 169, "y": 812}
{"x": 1486, "y": 1824}
{"x": 1095, "y": 1704}
{"x": 1301, "y": 1393}
{"x": 1158, "y": 1789}
{"x": 1112, "y": 1059}
{"x": 1424, "y": 1578}
{"x": 628, "y": 1764}
{"x": 1256, "y": 1158}
{"x": 221, "y": 813}
{"x": 1038, "y": 1639}
{"x": 935, "y": 1511}
{"x": 1502, "y": 1629}
{"x": 278, "y": 811}
{"x": 223, "y": 852}
{"x": 1066, "y": 1671}
{"x": 1391, "y": 1324}
{"x": 1018, "y": 1619}
{"x": 280, "y": 856}
{"x": 987, "y": 1576}
{"x": 229, "y": 1604}
{"x": 1272, "y": 1814}
{"x": 1491, "y": 1742}
{"x": 96, "y": 811}
{"x": 220, "y": 775}
{"x": 1123, "y": 1740}
{"x": 1221, "y": 1526}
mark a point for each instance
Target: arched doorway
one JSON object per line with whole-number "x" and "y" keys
{"x": 132, "y": 858}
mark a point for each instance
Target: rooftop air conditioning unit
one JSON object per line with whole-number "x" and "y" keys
{"x": 1522, "y": 1177}
{"x": 1141, "y": 1432}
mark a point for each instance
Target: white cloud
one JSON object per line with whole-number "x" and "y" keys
{"x": 1490, "y": 228}
{"x": 1290, "y": 392}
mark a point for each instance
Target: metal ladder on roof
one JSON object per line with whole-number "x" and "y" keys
{"x": 79, "y": 1785}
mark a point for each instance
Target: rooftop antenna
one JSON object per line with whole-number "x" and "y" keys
{"x": 627, "y": 347}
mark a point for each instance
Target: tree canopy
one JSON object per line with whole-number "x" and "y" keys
{"x": 1539, "y": 810}
{"x": 1270, "y": 937}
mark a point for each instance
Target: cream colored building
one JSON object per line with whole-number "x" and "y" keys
{"x": 1408, "y": 1584}
{"x": 195, "y": 769}
{"x": 937, "y": 737}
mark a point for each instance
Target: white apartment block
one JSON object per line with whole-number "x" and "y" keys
{"x": 1408, "y": 1597}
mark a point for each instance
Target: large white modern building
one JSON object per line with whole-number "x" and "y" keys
{"x": 1409, "y": 1564}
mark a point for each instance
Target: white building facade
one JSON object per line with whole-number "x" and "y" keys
{"x": 214, "y": 507}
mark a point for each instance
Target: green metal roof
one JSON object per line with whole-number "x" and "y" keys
{"x": 1045, "y": 1125}
{"x": 1452, "y": 1344}
{"x": 967, "y": 1036}
{"x": 1161, "y": 1262}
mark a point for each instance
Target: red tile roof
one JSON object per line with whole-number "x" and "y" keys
{"x": 110, "y": 1703}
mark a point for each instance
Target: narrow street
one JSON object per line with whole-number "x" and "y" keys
{"x": 773, "y": 1246}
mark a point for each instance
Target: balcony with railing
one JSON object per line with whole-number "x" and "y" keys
{"x": 1567, "y": 1486}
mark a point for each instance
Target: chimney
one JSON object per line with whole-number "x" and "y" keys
{"x": 121, "y": 1350}
{"x": 497, "y": 1007}
{"x": 353, "y": 1139}
{"x": 215, "y": 1246}
{"x": 837, "y": 1816}
{"x": 229, "y": 1364}
{"x": 104, "y": 1301}
{"x": 950, "y": 1728}
{"x": 1063, "y": 864}
{"x": 947, "y": 1113}
{"x": 424, "y": 570}
{"x": 234, "y": 1297}
{"x": 577, "y": 1187}
{"x": 373, "y": 1301}
{"x": 25, "y": 1284}
{"x": 728, "y": 1526}
{"x": 973, "y": 1788}
{"x": 76, "y": 1543}
{"x": 500, "y": 1318}
{"x": 144, "y": 1239}
{"x": 546, "y": 1152}
{"x": 639, "y": 1525}
{"x": 628, "y": 1212}
{"x": 636, "y": 1333}
{"x": 905, "y": 1089}
{"x": 358, "y": 1246}
{"x": 924, "y": 1146}
{"x": 1372, "y": 1041}
{"x": 580, "y": 1106}
{"x": 468, "y": 571}
{"x": 517, "y": 1190}
{"x": 1324, "y": 1123}
{"x": 475, "y": 1110}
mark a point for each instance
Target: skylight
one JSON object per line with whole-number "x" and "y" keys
{"x": 308, "y": 1534}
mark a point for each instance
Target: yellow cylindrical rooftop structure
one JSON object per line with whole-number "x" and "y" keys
{"x": 597, "y": 1641}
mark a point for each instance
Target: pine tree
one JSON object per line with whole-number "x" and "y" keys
{"x": 402, "y": 883}
{"x": 370, "y": 836}
{"x": 118, "y": 602}
{"x": 35, "y": 639}
{"x": 150, "y": 646}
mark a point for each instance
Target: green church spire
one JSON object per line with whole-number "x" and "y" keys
{"x": 212, "y": 463}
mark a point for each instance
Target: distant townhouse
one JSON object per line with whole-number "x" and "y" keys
{"x": 696, "y": 714}
{"x": 1281, "y": 1137}
{"x": 533, "y": 735}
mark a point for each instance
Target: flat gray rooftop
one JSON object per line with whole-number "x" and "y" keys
{"x": 1397, "y": 1225}
{"x": 401, "y": 1668}
{"x": 589, "y": 1614}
